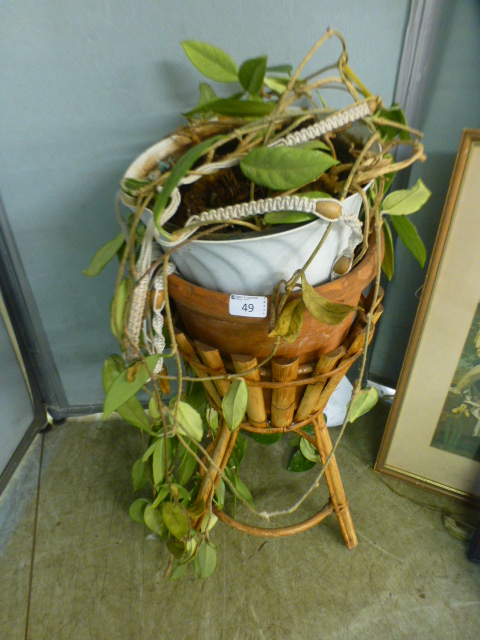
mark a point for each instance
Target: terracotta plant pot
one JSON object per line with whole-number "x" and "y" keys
{"x": 206, "y": 316}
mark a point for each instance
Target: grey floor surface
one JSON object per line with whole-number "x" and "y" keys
{"x": 74, "y": 566}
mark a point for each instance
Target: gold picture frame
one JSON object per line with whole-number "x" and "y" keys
{"x": 434, "y": 424}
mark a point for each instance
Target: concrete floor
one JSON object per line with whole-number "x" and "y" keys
{"x": 74, "y": 566}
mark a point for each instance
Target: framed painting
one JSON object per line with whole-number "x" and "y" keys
{"x": 432, "y": 437}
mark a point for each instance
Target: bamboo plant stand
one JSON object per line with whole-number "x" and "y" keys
{"x": 283, "y": 398}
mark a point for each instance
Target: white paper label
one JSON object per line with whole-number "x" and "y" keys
{"x": 248, "y": 306}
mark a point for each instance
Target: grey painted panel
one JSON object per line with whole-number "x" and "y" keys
{"x": 452, "y": 104}
{"x": 16, "y": 413}
{"x": 87, "y": 86}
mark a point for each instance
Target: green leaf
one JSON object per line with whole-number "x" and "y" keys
{"x": 177, "y": 548}
{"x": 207, "y": 94}
{"x": 388, "y": 258}
{"x": 278, "y": 85}
{"x": 211, "y": 61}
{"x": 288, "y": 217}
{"x": 197, "y": 509}
{"x": 251, "y": 74}
{"x": 140, "y": 475}
{"x": 163, "y": 492}
{"x": 234, "y": 404}
{"x": 153, "y": 409}
{"x": 190, "y": 547}
{"x": 131, "y": 411}
{"x": 212, "y": 418}
{"x": 183, "y": 165}
{"x": 323, "y": 310}
{"x": 149, "y": 452}
{"x": 133, "y": 186}
{"x": 189, "y": 421}
{"x": 289, "y": 324}
{"x": 365, "y": 400}
{"x": 408, "y": 234}
{"x": 117, "y": 309}
{"x": 314, "y": 194}
{"x": 220, "y": 494}
{"x": 206, "y": 560}
{"x": 137, "y": 510}
{"x": 178, "y": 571}
{"x": 406, "y": 201}
{"x": 208, "y": 522}
{"x": 281, "y": 68}
{"x": 196, "y": 397}
{"x": 314, "y": 144}
{"x": 158, "y": 462}
{"x": 309, "y": 451}
{"x": 153, "y": 520}
{"x": 234, "y": 108}
{"x": 395, "y": 114}
{"x": 122, "y": 390}
{"x": 239, "y": 449}
{"x": 176, "y": 519}
{"x": 267, "y": 438}
{"x": 299, "y": 464}
{"x": 283, "y": 168}
{"x": 104, "y": 255}
{"x": 187, "y": 466}
{"x": 241, "y": 488}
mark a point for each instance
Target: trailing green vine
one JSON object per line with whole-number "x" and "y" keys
{"x": 246, "y": 134}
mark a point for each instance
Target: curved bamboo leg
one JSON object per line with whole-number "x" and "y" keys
{"x": 281, "y": 532}
{"x": 334, "y": 482}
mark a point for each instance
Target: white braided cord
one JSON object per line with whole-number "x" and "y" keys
{"x": 335, "y": 121}
{"x": 237, "y": 212}
{"x": 258, "y": 208}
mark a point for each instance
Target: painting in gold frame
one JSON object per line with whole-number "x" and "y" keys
{"x": 432, "y": 437}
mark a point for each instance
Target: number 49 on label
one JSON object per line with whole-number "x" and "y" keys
{"x": 248, "y": 306}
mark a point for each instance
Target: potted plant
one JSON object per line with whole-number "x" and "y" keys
{"x": 267, "y": 199}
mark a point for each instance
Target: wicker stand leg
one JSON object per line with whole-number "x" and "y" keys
{"x": 334, "y": 482}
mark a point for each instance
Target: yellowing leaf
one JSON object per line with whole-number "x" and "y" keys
{"x": 289, "y": 324}
{"x": 324, "y": 310}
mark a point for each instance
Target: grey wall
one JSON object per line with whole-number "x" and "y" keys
{"x": 86, "y": 86}
{"x": 452, "y": 103}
